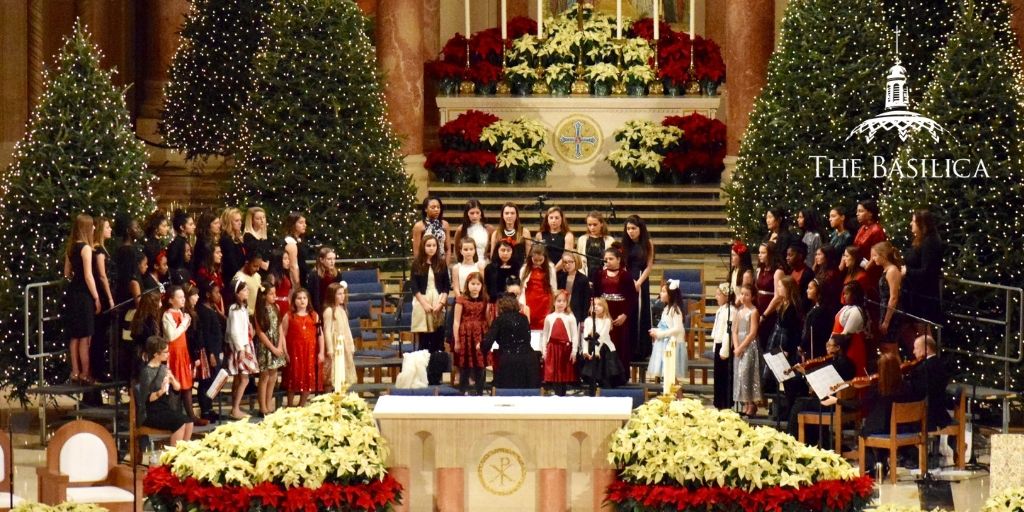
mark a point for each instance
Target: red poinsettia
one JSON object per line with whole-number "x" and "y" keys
{"x": 444, "y": 70}
{"x": 454, "y": 50}
{"x": 835, "y": 495}
{"x": 520, "y": 26}
{"x": 707, "y": 59}
{"x": 673, "y": 49}
{"x": 484, "y": 73}
{"x": 465, "y": 129}
{"x": 677, "y": 72}
{"x": 644, "y": 27}
{"x": 486, "y": 46}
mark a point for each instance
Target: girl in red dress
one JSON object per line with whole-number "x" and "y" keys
{"x": 469, "y": 327}
{"x": 560, "y": 342}
{"x": 853, "y": 320}
{"x": 304, "y": 346}
{"x": 280, "y": 270}
{"x": 538, "y": 278}
{"x": 175, "y": 324}
{"x": 614, "y": 284}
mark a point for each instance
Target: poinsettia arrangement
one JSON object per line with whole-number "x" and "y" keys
{"x": 462, "y": 152}
{"x": 1010, "y": 500}
{"x": 328, "y": 455}
{"x": 463, "y": 132}
{"x": 642, "y": 147}
{"x": 701, "y": 156}
{"x": 707, "y": 60}
{"x": 519, "y": 144}
{"x": 680, "y": 455}
{"x": 63, "y": 507}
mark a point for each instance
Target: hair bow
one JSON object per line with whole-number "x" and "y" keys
{"x": 723, "y": 288}
{"x": 239, "y": 284}
{"x": 739, "y": 247}
{"x": 343, "y": 284}
{"x": 673, "y": 284}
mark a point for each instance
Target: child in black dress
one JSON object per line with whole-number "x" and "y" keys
{"x": 520, "y": 366}
{"x": 156, "y": 409}
{"x": 601, "y": 366}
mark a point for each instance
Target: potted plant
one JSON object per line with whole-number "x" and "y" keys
{"x": 637, "y": 78}
{"x": 522, "y": 51}
{"x": 637, "y": 52}
{"x": 559, "y": 78}
{"x": 447, "y": 74}
{"x": 602, "y": 77}
{"x": 674, "y": 76}
{"x": 479, "y": 165}
{"x": 556, "y": 49}
{"x": 708, "y": 65}
{"x": 485, "y": 77}
{"x": 521, "y": 78}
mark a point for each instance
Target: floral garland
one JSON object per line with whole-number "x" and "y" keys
{"x": 328, "y": 455}
{"x": 679, "y": 455}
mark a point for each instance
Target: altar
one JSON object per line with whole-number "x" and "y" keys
{"x": 581, "y": 129}
{"x": 454, "y": 454}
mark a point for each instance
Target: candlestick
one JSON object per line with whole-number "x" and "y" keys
{"x": 540, "y": 19}
{"x": 657, "y": 29}
{"x": 618, "y": 19}
{"x": 669, "y": 362}
{"x": 504, "y": 20}
{"x": 467, "y": 18}
{"x": 693, "y": 18}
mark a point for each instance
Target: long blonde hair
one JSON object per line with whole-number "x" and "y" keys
{"x": 888, "y": 251}
{"x": 81, "y": 231}
{"x": 604, "y": 308}
{"x": 249, "y": 214}
{"x": 226, "y": 224}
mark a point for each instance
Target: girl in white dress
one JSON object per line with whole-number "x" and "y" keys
{"x": 338, "y": 336}
{"x": 668, "y": 353}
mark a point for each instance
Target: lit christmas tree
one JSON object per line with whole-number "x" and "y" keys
{"x": 315, "y": 138}
{"x": 822, "y": 81}
{"x": 925, "y": 27}
{"x": 977, "y": 97}
{"x": 80, "y": 155}
{"x": 211, "y": 76}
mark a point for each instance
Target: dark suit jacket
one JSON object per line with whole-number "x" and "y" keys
{"x": 579, "y": 296}
{"x": 929, "y": 380}
{"x": 921, "y": 286}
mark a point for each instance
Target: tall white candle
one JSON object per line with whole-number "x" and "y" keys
{"x": 504, "y": 20}
{"x": 693, "y": 18}
{"x": 540, "y": 19}
{"x": 657, "y": 29}
{"x": 618, "y": 19}
{"x": 669, "y": 367}
{"x": 467, "y": 18}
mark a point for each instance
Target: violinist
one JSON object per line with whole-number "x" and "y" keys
{"x": 929, "y": 379}
{"x": 817, "y": 322}
{"x": 853, "y": 319}
{"x": 836, "y": 348}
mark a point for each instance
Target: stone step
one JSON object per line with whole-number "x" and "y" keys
{"x": 558, "y": 190}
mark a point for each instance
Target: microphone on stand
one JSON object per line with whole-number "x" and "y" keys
{"x": 611, "y": 206}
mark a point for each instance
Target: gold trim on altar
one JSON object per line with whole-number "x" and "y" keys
{"x": 502, "y": 471}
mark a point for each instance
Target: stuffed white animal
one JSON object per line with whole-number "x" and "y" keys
{"x": 414, "y": 370}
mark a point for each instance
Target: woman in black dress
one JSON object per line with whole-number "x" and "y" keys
{"x": 155, "y": 408}
{"x": 520, "y": 367}
{"x": 232, "y": 250}
{"x": 82, "y": 299}
{"x": 207, "y": 237}
{"x": 98, "y": 355}
{"x": 178, "y": 257}
{"x": 639, "y": 251}
{"x": 922, "y": 281}
{"x": 778, "y": 230}
{"x": 556, "y": 235}
{"x": 497, "y": 272}
{"x": 157, "y": 229}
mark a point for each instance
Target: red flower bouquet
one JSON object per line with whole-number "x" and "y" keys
{"x": 463, "y": 132}
{"x": 520, "y": 26}
{"x": 444, "y": 70}
{"x": 644, "y": 27}
{"x": 708, "y": 61}
{"x": 701, "y": 156}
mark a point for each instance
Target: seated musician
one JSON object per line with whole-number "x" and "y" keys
{"x": 929, "y": 379}
{"x": 836, "y": 350}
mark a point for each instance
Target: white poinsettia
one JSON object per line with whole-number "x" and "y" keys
{"x": 521, "y": 72}
{"x": 601, "y": 72}
{"x": 1010, "y": 500}
{"x": 636, "y": 51}
{"x": 558, "y": 74}
{"x": 684, "y": 443}
{"x": 333, "y": 438}
{"x": 642, "y": 74}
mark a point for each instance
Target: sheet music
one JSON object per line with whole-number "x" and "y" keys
{"x": 778, "y": 365}
{"x": 823, "y": 379}
{"x": 535, "y": 340}
{"x": 218, "y": 383}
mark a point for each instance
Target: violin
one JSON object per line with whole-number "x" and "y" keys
{"x": 809, "y": 364}
{"x": 867, "y": 380}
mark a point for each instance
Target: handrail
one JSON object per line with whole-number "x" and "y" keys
{"x": 41, "y": 318}
{"x": 1005, "y": 322}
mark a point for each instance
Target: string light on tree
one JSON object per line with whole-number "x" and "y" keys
{"x": 315, "y": 138}
{"x": 80, "y": 154}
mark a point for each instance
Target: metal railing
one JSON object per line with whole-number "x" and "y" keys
{"x": 40, "y": 355}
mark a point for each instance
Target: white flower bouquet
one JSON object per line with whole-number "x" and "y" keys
{"x": 519, "y": 145}
{"x": 1010, "y": 500}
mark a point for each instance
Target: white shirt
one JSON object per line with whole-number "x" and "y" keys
{"x": 479, "y": 235}
{"x": 604, "y": 334}
{"x": 571, "y": 327}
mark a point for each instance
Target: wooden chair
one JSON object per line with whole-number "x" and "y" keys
{"x": 957, "y": 429}
{"x": 7, "y": 496}
{"x": 834, "y": 420}
{"x": 81, "y": 466}
{"x": 902, "y": 413}
{"x": 136, "y": 431}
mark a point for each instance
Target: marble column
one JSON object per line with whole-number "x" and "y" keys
{"x": 400, "y": 54}
{"x": 516, "y": 8}
{"x": 1017, "y": 21}
{"x": 401, "y": 474}
{"x": 159, "y": 22}
{"x": 431, "y": 48}
{"x": 49, "y": 21}
{"x": 553, "y": 490}
{"x": 599, "y": 481}
{"x": 14, "y": 96}
{"x": 112, "y": 25}
{"x": 450, "y": 490}
{"x": 714, "y": 22}
{"x": 750, "y": 34}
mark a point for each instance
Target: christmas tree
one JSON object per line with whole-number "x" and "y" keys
{"x": 80, "y": 155}
{"x": 822, "y": 81}
{"x": 977, "y": 97}
{"x": 315, "y": 137}
{"x": 925, "y": 28}
{"x": 211, "y": 76}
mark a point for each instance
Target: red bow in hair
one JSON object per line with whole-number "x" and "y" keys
{"x": 739, "y": 247}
